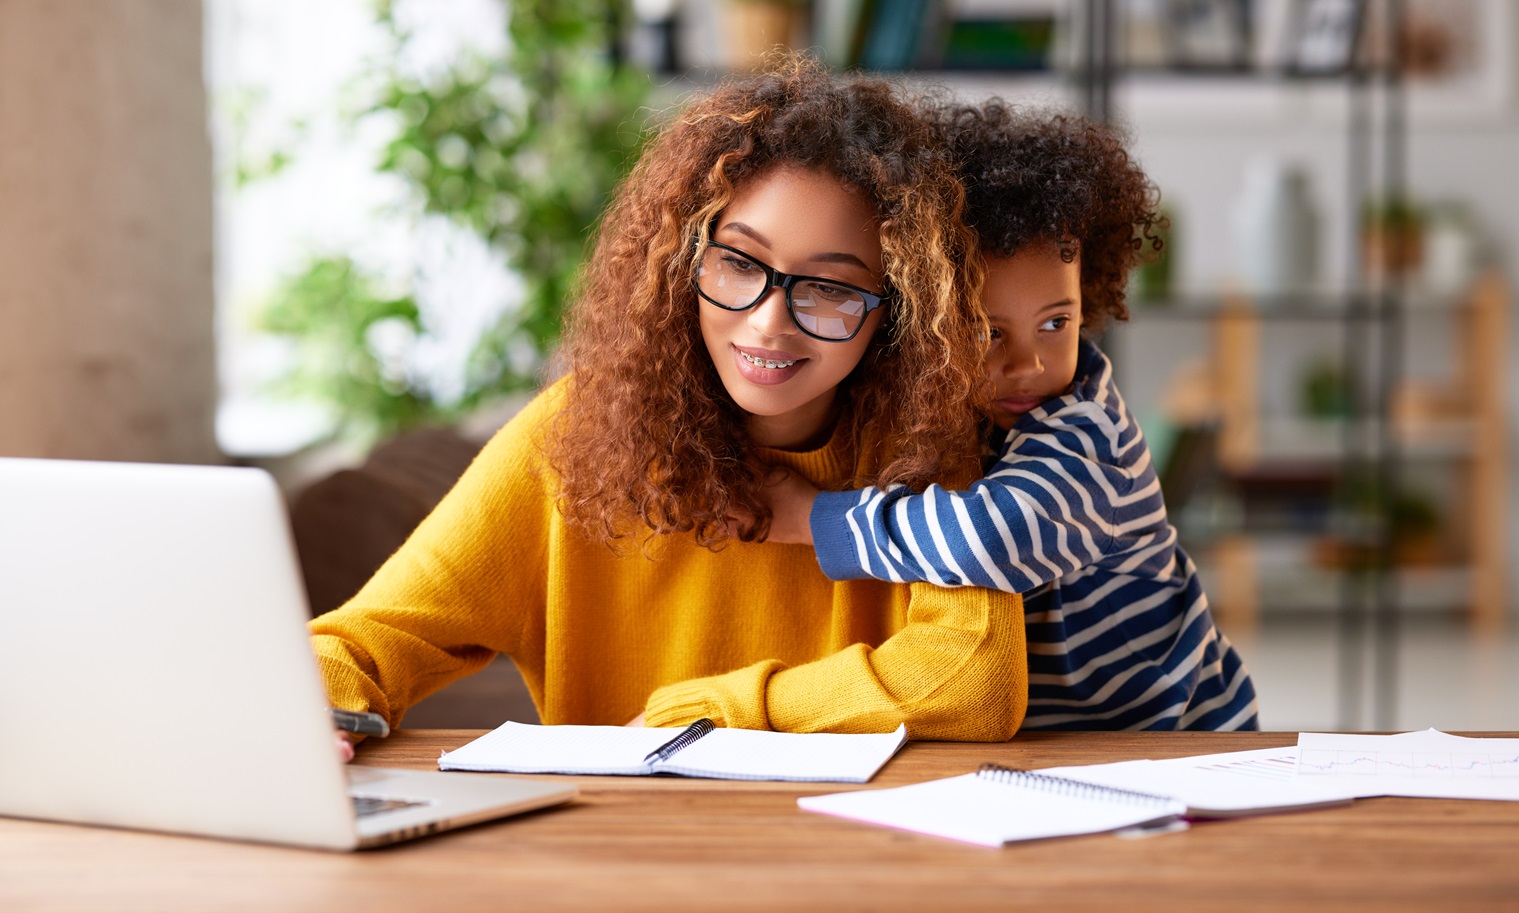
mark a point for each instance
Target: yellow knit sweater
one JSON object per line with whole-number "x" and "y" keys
{"x": 752, "y": 636}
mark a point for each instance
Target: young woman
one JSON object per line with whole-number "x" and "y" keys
{"x": 782, "y": 277}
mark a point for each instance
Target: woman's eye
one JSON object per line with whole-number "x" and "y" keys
{"x": 834, "y": 292}
{"x": 994, "y": 334}
{"x": 740, "y": 265}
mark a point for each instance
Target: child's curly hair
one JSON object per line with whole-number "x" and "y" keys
{"x": 1035, "y": 178}
{"x": 649, "y": 433}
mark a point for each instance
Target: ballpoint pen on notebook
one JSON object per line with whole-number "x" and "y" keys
{"x": 362, "y": 722}
{"x": 688, "y": 735}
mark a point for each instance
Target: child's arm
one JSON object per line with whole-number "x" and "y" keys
{"x": 790, "y": 497}
{"x": 995, "y": 534}
{"x": 1046, "y": 509}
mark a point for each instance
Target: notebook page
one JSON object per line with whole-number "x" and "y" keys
{"x": 972, "y": 809}
{"x": 526, "y": 748}
{"x": 750, "y": 754}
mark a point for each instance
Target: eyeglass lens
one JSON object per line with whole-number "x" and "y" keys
{"x": 734, "y": 281}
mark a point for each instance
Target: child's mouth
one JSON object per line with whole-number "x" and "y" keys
{"x": 1018, "y": 404}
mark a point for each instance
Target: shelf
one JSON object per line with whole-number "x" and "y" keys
{"x": 1298, "y": 441}
{"x": 1304, "y": 306}
{"x": 1248, "y": 577}
{"x": 1284, "y": 582}
{"x": 1423, "y": 591}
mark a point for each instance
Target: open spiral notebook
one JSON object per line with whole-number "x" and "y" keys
{"x": 699, "y": 750}
{"x": 997, "y": 805}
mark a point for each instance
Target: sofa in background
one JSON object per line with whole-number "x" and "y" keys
{"x": 347, "y": 523}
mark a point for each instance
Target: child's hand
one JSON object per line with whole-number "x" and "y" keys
{"x": 790, "y": 498}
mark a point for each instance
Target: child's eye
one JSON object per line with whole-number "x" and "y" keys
{"x": 1055, "y": 324}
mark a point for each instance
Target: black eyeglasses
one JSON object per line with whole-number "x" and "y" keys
{"x": 821, "y": 308}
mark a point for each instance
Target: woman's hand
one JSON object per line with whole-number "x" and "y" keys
{"x": 345, "y": 747}
{"x": 790, "y": 498}
{"x": 636, "y": 722}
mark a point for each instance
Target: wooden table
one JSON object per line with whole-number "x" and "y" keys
{"x": 670, "y": 844}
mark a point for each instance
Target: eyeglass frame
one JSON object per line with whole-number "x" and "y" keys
{"x": 774, "y": 278}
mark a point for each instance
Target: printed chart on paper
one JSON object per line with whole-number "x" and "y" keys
{"x": 1442, "y": 765}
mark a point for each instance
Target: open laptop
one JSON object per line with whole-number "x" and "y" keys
{"x": 156, "y": 673}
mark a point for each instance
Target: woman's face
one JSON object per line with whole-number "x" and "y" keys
{"x": 802, "y": 222}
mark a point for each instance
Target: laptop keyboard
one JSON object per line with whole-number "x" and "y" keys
{"x": 364, "y": 806}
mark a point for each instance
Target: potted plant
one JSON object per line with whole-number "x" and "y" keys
{"x": 1392, "y": 238}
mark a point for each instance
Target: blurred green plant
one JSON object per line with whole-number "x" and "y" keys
{"x": 1324, "y": 390}
{"x": 524, "y": 150}
{"x": 1410, "y": 521}
{"x": 336, "y": 312}
{"x": 1151, "y": 281}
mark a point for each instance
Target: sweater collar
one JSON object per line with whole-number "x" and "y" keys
{"x": 827, "y": 466}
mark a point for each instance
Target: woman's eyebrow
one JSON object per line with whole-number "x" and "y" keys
{"x": 745, "y": 230}
{"x": 840, "y": 257}
{"x": 830, "y": 257}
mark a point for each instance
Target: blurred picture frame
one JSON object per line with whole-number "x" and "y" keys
{"x": 1208, "y": 34}
{"x": 1324, "y": 36}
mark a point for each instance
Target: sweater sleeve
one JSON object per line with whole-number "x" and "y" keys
{"x": 1043, "y": 511}
{"x": 957, "y": 670}
{"x": 461, "y": 589}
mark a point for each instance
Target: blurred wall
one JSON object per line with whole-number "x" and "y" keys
{"x": 106, "y": 347}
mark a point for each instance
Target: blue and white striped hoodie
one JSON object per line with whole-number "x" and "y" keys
{"x": 1071, "y": 516}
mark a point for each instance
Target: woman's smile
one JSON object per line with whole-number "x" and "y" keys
{"x": 766, "y": 366}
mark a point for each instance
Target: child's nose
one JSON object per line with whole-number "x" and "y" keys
{"x": 1017, "y": 362}
{"x": 770, "y": 316}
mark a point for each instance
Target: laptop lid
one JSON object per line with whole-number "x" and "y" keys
{"x": 155, "y": 670}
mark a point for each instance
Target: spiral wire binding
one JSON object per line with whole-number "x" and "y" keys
{"x": 693, "y": 732}
{"x": 1065, "y": 786}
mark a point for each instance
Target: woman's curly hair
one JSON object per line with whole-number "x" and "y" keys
{"x": 1037, "y": 178}
{"x": 649, "y": 433}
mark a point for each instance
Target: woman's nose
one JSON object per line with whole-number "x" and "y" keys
{"x": 770, "y": 316}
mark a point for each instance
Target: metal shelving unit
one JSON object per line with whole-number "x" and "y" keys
{"x": 1372, "y": 317}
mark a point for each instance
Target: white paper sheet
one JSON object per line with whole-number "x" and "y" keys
{"x": 1256, "y": 782}
{"x": 1428, "y": 764}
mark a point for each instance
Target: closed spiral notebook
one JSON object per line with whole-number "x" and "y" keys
{"x": 699, "y": 750}
{"x": 997, "y": 805}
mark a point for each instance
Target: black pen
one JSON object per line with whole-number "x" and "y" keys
{"x": 361, "y": 722}
{"x": 688, "y": 735}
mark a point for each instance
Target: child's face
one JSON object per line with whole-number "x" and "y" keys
{"x": 1033, "y": 301}
{"x": 805, "y": 223}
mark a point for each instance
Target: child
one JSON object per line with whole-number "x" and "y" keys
{"x": 1070, "y": 513}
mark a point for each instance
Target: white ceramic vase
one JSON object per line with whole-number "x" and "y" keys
{"x": 1450, "y": 251}
{"x": 1275, "y": 229}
